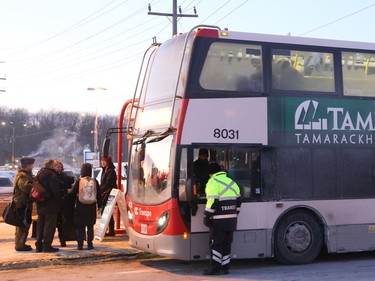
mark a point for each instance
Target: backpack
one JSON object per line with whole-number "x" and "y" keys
{"x": 38, "y": 193}
{"x": 87, "y": 190}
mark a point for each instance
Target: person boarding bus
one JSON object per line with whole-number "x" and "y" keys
{"x": 222, "y": 207}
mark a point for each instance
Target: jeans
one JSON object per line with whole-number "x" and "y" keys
{"x": 81, "y": 234}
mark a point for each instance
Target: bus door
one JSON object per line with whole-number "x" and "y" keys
{"x": 242, "y": 164}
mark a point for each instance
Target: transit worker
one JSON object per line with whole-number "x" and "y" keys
{"x": 222, "y": 207}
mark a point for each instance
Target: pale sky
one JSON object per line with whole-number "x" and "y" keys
{"x": 52, "y": 51}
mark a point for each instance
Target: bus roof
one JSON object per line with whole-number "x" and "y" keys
{"x": 285, "y": 39}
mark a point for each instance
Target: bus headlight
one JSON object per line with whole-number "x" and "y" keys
{"x": 130, "y": 217}
{"x": 163, "y": 221}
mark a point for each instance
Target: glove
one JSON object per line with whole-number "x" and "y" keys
{"x": 207, "y": 221}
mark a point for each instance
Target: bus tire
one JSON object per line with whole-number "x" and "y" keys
{"x": 298, "y": 238}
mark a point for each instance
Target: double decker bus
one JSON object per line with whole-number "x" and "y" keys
{"x": 290, "y": 119}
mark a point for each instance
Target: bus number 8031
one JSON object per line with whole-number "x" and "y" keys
{"x": 226, "y": 134}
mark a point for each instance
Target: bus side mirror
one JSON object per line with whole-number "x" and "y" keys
{"x": 105, "y": 147}
{"x": 191, "y": 194}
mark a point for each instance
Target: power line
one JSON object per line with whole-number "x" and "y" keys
{"x": 218, "y": 9}
{"x": 100, "y": 68}
{"x": 30, "y": 67}
{"x": 73, "y": 27}
{"x": 48, "y": 71}
{"x": 38, "y": 58}
{"x": 173, "y": 15}
{"x": 45, "y": 56}
{"x": 231, "y": 12}
{"x": 73, "y": 61}
{"x": 337, "y": 20}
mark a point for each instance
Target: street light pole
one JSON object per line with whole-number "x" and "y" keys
{"x": 96, "y": 132}
{"x": 96, "y": 126}
{"x": 13, "y": 141}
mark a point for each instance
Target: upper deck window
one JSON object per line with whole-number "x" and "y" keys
{"x": 358, "y": 70}
{"x": 163, "y": 72}
{"x": 233, "y": 67}
{"x": 302, "y": 71}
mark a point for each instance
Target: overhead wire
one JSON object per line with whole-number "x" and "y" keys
{"x": 337, "y": 20}
{"x": 75, "y": 61}
{"x": 59, "y": 68}
{"x": 72, "y": 27}
{"x": 101, "y": 68}
{"x": 231, "y": 12}
{"x": 218, "y": 9}
{"x": 32, "y": 60}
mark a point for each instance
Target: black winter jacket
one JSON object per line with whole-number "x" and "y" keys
{"x": 48, "y": 178}
{"x": 107, "y": 182}
{"x": 65, "y": 182}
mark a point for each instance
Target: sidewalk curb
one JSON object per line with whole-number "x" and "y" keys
{"x": 74, "y": 260}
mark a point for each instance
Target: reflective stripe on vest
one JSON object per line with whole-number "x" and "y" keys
{"x": 227, "y": 188}
{"x": 228, "y": 216}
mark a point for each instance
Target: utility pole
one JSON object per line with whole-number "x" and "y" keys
{"x": 174, "y": 15}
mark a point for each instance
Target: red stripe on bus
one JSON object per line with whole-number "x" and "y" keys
{"x": 148, "y": 216}
{"x": 181, "y": 119}
{"x": 213, "y": 33}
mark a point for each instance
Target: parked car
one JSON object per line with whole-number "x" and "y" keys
{"x": 6, "y": 185}
{"x": 9, "y": 174}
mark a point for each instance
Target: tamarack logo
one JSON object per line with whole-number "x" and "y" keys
{"x": 315, "y": 124}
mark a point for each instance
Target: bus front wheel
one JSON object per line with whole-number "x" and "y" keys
{"x": 298, "y": 238}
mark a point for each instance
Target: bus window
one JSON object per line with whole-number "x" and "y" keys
{"x": 233, "y": 67}
{"x": 302, "y": 71}
{"x": 243, "y": 166}
{"x": 358, "y": 71}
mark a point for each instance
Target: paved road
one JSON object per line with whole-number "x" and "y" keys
{"x": 332, "y": 268}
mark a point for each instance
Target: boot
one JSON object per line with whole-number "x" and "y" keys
{"x": 50, "y": 249}
{"x": 25, "y": 248}
{"x": 212, "y": 271}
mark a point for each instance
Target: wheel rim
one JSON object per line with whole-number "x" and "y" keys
{"x": 298, "y": 237}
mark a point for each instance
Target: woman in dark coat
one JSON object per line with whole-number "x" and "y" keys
{"x": 107, "y": 183}
{"x": 85, "y": 214}
{"x": 64, "y": 218}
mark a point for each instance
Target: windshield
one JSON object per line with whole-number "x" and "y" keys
{"x": 149, "y": 171}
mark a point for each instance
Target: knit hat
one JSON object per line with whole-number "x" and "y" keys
{"x": 214, "y": 168}
{"x": 27, "y": 161}
{"x": 107, "y": 159}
